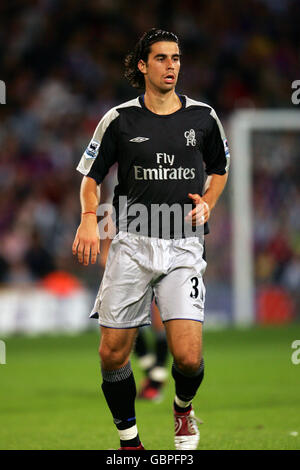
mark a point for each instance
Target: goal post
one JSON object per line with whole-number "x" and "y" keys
{"x": 242, "y": 124}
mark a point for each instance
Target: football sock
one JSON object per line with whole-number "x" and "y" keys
{"x": 182, "y": 406}
{"x": 186, "y": 386}
{"x": 120, "y": 391}
{"x": 126, "y": 440}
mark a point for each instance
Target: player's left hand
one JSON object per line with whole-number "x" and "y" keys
{"x": 200, "y": 214}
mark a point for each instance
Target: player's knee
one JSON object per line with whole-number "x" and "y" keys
{"x": 112, "y": 358}
{"x": 189, "y": 363}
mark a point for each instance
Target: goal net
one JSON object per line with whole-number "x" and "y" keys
{"x": 265, "y": 206}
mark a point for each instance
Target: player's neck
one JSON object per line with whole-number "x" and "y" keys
{"x": 162, "y": 103}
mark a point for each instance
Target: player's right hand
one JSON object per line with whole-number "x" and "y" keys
{"x": 87, "y": 241}
{"x": 200, "y": 214}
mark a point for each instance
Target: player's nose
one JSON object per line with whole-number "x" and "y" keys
{"x": 170, "y": 65}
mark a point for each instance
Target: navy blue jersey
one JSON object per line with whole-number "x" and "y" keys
{"x": 161, "y": 158}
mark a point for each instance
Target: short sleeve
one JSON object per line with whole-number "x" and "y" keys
{"x": 216, "y": 154}
{"x": 101, "y": 152}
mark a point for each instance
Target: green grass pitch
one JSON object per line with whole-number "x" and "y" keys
{"x": 50, "y": 394}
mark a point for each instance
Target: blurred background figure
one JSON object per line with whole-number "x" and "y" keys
{"x": 153, "y": 360}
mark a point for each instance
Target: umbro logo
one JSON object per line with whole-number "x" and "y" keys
{"x": 197, "y": 306}
{"x": 138, "y": 140}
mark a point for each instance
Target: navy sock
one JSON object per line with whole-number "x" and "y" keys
{"x": 120, "y": 391}
{"x": 186, "y": 386}
{"x": 131, "y": 442}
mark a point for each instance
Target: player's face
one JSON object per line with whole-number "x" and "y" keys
{"x": 162, "y": 68}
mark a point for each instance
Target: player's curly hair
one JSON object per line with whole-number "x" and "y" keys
{"x": 141, "y": 51}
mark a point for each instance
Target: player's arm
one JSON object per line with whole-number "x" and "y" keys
{"x": 95, "y": 163}
{"x": 216, "y": 159}
{"x": 214, "y": 187}
{"x": 87, "y": 242}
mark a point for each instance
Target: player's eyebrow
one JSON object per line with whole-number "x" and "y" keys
{"x": 163, "y": 56}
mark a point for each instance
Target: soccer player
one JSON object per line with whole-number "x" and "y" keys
{"x": 162, "y": 142}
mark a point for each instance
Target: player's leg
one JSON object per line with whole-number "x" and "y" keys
{"x": 185, "y": 343}
{"x": 122, "y": 305}
{"x": 118, "y": 381}
{"x": 181, "y": 297}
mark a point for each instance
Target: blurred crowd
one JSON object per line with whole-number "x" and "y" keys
{"x": 62, "y": 62}
{"x": 276, "y": 197}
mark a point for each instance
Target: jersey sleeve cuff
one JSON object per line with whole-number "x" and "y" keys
{"x": 216, "y": 172}
{"x": 89, "y": 175}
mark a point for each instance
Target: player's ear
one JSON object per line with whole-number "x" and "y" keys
{"x": 142, "y": 66}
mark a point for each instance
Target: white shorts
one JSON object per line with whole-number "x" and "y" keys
{"x": 139, "y": 268}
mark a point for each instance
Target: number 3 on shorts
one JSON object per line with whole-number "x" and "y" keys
{"x": 197, "y": 288}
